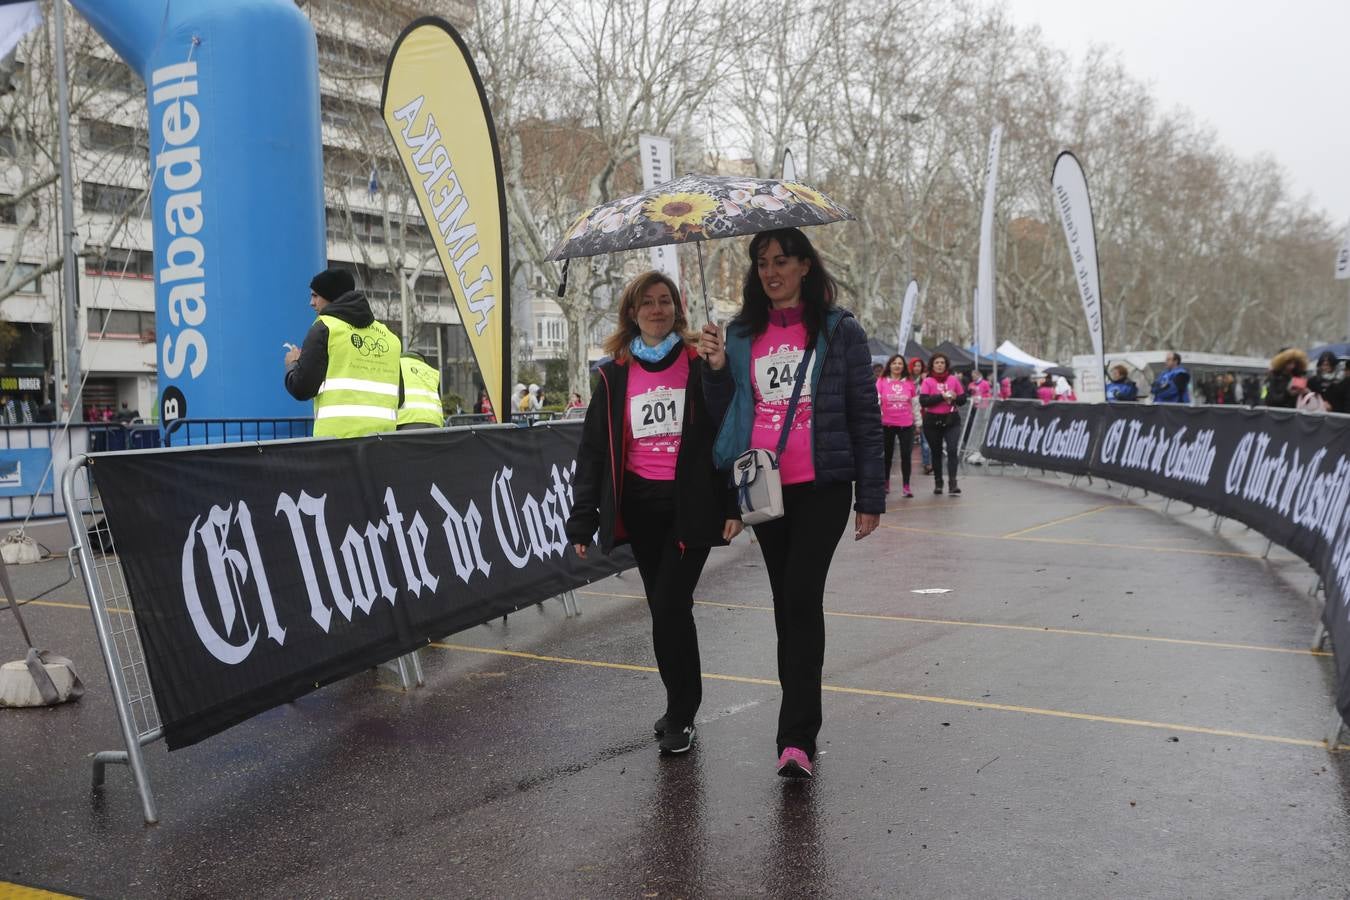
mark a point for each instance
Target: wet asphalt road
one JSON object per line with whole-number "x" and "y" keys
{"x": 1108, "y": 702}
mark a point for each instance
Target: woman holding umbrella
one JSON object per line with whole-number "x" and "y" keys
{"x": 646, "y": 428}
{"x": 788, "y": 320}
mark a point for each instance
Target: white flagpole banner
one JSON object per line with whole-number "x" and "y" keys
{"x": 975, "y": 324}
{"x": 985, "y": 280}
{"x": 16, "y": 20}
{"x": 658, "y": 167}
{"x": 907, "y": 315}
{"x": 789, "y": 167}
{"x": 1075, "y": 211}
{"x": 1342, "y": 258}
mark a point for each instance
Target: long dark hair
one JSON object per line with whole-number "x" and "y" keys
{"x": 818, "y": 287}
{"x": 886, "y": 372}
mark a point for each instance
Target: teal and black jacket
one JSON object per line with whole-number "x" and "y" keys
{"x": 845, "y": 418}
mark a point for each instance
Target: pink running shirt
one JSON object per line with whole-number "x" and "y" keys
{"x": 654, "y": 418}
{"x": 774, "y": 358}
{"x": 931, "y": 386}
{"x": 897, "y": 401}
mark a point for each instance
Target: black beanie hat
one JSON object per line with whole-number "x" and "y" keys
{"x": 331, "y": 284}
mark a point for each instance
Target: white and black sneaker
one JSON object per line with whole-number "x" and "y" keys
{"x": 673, "y": 742}
{"x": 661, "y": 726}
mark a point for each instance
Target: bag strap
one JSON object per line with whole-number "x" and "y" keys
{"x": 796, "y": 393}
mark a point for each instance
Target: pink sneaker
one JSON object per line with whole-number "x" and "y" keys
{"x": 908, "y": 493}
{"x": 794, "y": 764}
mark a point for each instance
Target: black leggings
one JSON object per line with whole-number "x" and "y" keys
{"x": 905, "y": 434}
{"x": 669, "y": 576}
{"x": 940, "y": 434}
{"x": 797, "y": 551}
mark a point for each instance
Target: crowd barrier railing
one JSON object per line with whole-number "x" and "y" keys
{"x": 197, "y": 432}
{"x": 1283, "y": 473}
{"x": 112, "y": 605}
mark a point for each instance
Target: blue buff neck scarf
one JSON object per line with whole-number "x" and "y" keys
{"x": 653, "y": 354}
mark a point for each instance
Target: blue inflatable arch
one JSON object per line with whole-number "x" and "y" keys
{"x": 237, "y": 201}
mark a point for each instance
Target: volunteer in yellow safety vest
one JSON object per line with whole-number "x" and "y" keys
{"x": 421, "y": 406}
{"x": 348, "y": 364}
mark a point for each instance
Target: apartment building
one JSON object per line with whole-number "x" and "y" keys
{"x": 370, "y": 228}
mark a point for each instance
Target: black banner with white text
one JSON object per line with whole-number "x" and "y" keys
{"x": 1283, "y": 473}
{"x": 261, "y": 572}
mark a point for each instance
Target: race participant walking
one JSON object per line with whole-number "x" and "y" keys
{"x": 896, "y": 392}
{"x": 918, "y": 371}
{"x": 788, "y": 320}
{"x": 939, "y": 395}
{"x": 648, "y": 427}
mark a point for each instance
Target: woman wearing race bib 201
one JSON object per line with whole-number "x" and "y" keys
{"x": 834, "y": 442}
{"x": 647, "y": 428}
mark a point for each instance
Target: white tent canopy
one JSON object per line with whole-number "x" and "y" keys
{"x": 1012, "y": 351}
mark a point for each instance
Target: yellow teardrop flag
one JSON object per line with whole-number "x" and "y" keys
{"x": 437, "y": 113}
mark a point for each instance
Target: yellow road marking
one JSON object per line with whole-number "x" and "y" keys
{"x": 1035, "y": 629}
{"x": 59, "y": 604}
{"x": 1071, "y": 542}
{"x": 919, "y": 698}
{"x": 1060, "y": 521}
{"x": 12, "y": 891}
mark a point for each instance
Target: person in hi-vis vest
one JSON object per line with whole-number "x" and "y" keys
{"x": 421, "y": 406}
{"x": 348, "y": 364}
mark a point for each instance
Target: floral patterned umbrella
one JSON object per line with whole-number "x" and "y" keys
{"x": 696, "y": 208}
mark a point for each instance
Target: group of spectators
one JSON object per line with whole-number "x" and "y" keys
{"x": 1288, "y": 384}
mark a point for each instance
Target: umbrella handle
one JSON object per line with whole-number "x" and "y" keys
{"x": 703, "y": 281}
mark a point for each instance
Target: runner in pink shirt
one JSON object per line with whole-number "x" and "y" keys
{"x": 1046, "y": 392}
{"x": 896, "y": 392}
{"x": 645, "y": 477}
{"x": 939, "y": 395}
{"x": 980, "y": 390}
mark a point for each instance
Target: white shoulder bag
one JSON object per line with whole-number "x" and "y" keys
{"x": 754, "y": 474}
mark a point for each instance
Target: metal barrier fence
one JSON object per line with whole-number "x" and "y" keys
{"x": 196, "y": 432}
{"x": 105, "y": 438}
{"x": 32, "y": 458}
{"x": 115, "y": 626}
{"x": 112, "y": 606}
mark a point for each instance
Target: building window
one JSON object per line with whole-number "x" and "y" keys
{"x": 24, "y": 272}
{"x": 122, "y": 324}
{"x": 113, "y": 200}
{"x": 347, "y": 115}
{"x": 549, "y": 333}
{"x": 108, "y": 73}
{"x": 9, "y": 210}
{"x": 360, "y": 227}
{"x": 120, "y": 263}
{"x": 96, "y": 135}
{"x": 344, "y": 53}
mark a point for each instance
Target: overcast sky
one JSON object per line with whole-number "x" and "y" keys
{"x": 1270, "y": 76}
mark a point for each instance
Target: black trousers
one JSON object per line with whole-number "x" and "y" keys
{"x": 905, "y": 434}
{"x": 942, "y": 435}
{"x": 797, "y": 551}
{"x": 669, "y": 576}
